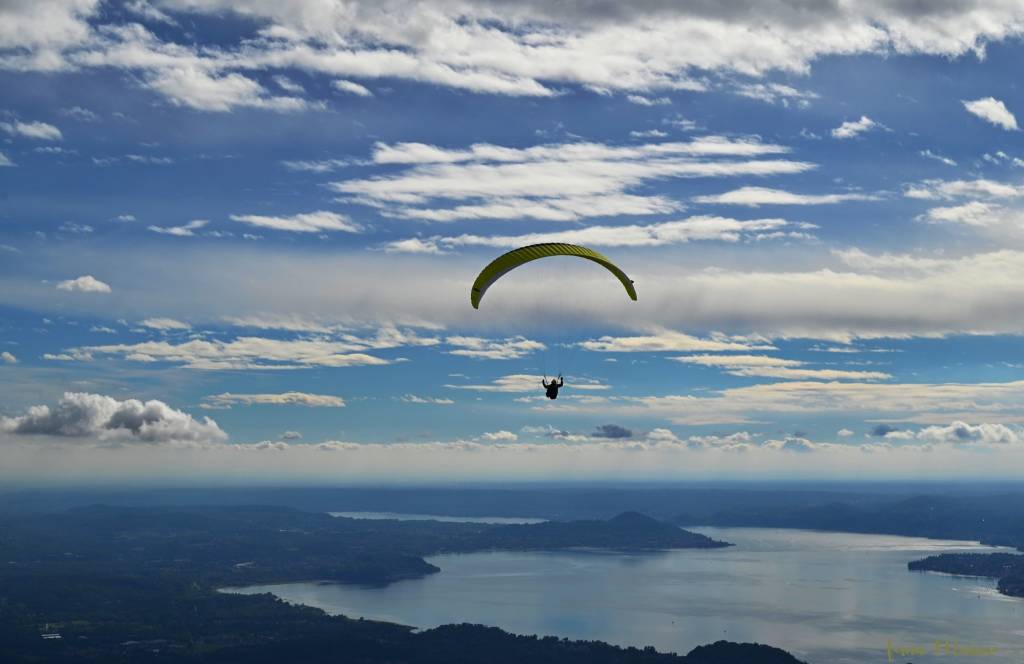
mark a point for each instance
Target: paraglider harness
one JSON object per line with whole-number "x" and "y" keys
{"x": 552, "y": 387}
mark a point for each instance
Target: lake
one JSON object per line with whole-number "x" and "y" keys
{"x": 829, "y": 598}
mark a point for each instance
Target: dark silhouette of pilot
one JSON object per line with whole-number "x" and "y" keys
{"x": 553, "y": 386}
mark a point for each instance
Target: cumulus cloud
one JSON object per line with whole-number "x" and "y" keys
{"x": 963, "y": 433}
{"x": 755, "y": 196}
{"x": 309, "y": 222}
{"x": 792, "y": 444}
{"x": 226, "y": 400}
{"x": 555, "y": 182}
{"x": 993, "y": 111}
{"x": 84, "y": 284}
{"x": 37, "y": 130}
{"x": 6, "y": 161}
{"x": 854, "y": 128}
{"x": 499, "y": 437}
{"x": 103, "y": 418}
{"x": 8, "y": 358}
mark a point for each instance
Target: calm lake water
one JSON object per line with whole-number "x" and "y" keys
{"x": 829, "y": 598}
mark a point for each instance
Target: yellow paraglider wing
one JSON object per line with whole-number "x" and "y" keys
{"x": 513, "y": 259}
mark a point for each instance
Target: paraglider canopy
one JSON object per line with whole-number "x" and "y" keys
{"x": 513, "y": 259}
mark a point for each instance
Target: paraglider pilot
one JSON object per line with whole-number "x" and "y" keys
{"x": 553, "y": 386}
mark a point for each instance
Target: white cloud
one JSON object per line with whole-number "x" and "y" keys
{"x": 38, "y": 130}
{"x": 775, "y": 93}
{"x": 523, "y": 383}
{"x": 963, "y": 433}
{"x": 640, "y": 100}
{"x": 84, "y": 284}
{"x": 78, "y": 229}
{"x": 557, "y": 182}
{"x": 5, "y": 161}
{"x": 853, "y": 128}
{"x": 512, "y": 348}
{"x": 187, "y": 230}
{"x": 164, "y": 324}
{"x": 691, "y": 229}
{"x": 844, "y": 433}
{"x": 8, "y": 358}
{"x": 322, "y": 166}
{"x": 649, "y": 133}
{"x": 288, "y": 85}
{"x": 81, "y": 415}
{"x": 414, "y": 245}
{"x": 948, "y": 189}
{"x": 775, "y": 367}
{"x": 143, "y": 9}
{"x": 80, "y": 114}
{"x": 994, "y": 111}
{"x": 438, "y": 401}
{"x": 343, "y": 350}
{"x": 193, "y": 86}
{"x": 905, "y": 402}
{"x": 975, "y": 213}
{"x": 755, "y": 196}
{"x": 227, "y": 400}
{"x": 666, "y": 341}
{"x": 937, "y": 157}
{"x": 499, "y": 437}
{"x": 309, "y": 222}
{"x": 530, "y": 48}
{"x": 352, "y": 88}
{"x": 149, "y": 159}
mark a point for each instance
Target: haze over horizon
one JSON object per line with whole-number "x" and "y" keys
{"x": 237, "y": 241}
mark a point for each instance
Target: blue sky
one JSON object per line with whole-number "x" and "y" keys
{"x": 250, "y": 228}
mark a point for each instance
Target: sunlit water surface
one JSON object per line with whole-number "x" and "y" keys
{"x": 826, "y": 597}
